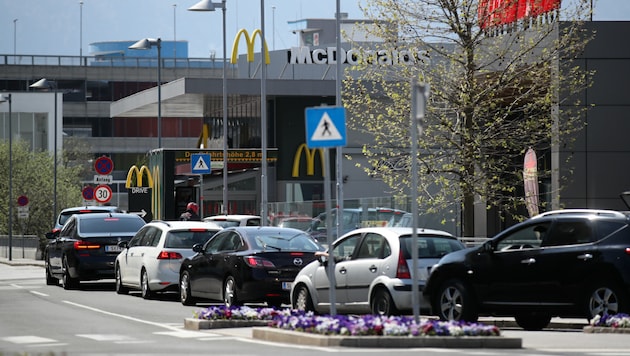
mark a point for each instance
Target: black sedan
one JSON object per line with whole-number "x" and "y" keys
{"x": 246, "y": 264}
{"x": 87, "y": 246}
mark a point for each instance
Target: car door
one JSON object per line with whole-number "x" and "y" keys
{"x": 209, "y": 266}
{"x": 364, "y": 266}
{"x": 342, "y": 253}
{"x": 125, "y": 259}
{"x": 510, "y": 275}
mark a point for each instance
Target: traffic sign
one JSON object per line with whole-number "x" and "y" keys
{"x": 22, "y": 200}
{"x": 325, "y": 126}
{"x": 88, "y": 192}
{"x": 200, "y": 163}
{"x": 103, "y": 165}
{"x": 103, "y": 193}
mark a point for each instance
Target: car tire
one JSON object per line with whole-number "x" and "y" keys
{"x": 67, "y": 280}
{"x": 50, "y": 280}
{"x": 185, "y": 295}
{"x": 230, "y": 298}
{"x": 382, "y": 303}
{"x": 303, "y": 300}
{"x": 145, "y": 290}
{"x": 532, "y": 321}
{"x": 606, "y": 298}
{"x": 455, "y": 302}
{"x": 120, "y": 288}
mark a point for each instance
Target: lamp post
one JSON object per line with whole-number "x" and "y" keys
{"x": 207, "y": 5}
{"x": 7, "y": 98}
{"x": 263, "y": 118}
{"x": 80, "y": 30}
{"x": 419, "y": 95}
{"x": 147, "y": 43}
{"x": 45, "y": 84}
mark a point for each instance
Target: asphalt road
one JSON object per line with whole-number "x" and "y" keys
{"x": 36, "y": 319}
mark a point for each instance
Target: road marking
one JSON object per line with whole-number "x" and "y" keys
{"x": 16, "y": 286}
{"x": 27, "y": 339}
{"x": 185, "y": 334}
{"x": 39, "y": 293}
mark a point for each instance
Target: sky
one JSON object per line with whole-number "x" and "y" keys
{"x": 67, "y": 27}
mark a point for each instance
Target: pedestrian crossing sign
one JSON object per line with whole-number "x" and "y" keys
{"x": 325, "y": 126}
{"x": 200, "y": 163}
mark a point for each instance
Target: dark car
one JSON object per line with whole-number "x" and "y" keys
{"x": 565, "y": 263}
{"x": 65, "y": 214}
{"x": 87, "y": 246}
{"x": 246, "y": 264}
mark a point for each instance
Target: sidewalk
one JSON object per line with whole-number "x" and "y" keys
{"x": 21, "y": 262}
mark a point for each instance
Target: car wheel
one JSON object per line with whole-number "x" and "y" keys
{"x": 50, "y": 280}
{"x": 532, "y": 321}
{"x": 454, "y": 302}
{"x": 120, "y": 289}
{"x": 382, "y": 303}
{"x": 67, "y": 280}
{"x": 303, "y": 299}
{"x": 605, "y": 299}
{"x": 184, "y": 289}
{"x": 230, "y": 298}
{"x": 144, "y": 285}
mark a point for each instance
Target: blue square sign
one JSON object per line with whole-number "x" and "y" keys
{"x": 200, "y": 163}
{"x": 325, "y": 126}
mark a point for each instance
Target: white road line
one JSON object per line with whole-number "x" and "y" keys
{"x": 39, "y": 293}
{"x": 27, "y": 339}
{"x": 16, "y": 286}
{"x": 164, "y": 326}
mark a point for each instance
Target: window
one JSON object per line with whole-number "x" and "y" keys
{"x": 345, "y": 249}
{"x": 569, "y": 233}
{"x": 371, "y": 246}
{"x": 531, "y": 236}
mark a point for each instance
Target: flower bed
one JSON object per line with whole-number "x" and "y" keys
{"x": 612, "y": 321}
{"x": 347, "y": 325}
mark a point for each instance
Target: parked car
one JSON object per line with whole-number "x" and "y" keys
{"x": 352, "y": 218}
{"x": 296, "y": 222}
{"x": 372, "y": 271}
{"x": 87, "y": 246}
{"x": 565, "y": 263}
{"x": 65, "y": 214}
{"x": 234, "y": 220}
{"x": 151, "y": 260}
{"x": 246, "y": 264}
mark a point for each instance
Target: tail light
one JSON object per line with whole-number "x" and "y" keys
{"x": 84, "y": 245}
{"x": 166, "y": 255}
{"x": 257, "y": 262}
{"x": 402, "y": 271}
{"x": 627, "y": 250}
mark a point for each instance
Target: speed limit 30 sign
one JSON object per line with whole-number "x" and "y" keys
{"x": 103, "y": 193}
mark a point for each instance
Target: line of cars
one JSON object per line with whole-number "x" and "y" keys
{"x": 568, "y": 263}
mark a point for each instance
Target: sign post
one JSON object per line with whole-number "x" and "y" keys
{"x": 326, "y": 127}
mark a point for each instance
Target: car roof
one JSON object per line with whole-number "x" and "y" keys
{"x": 91, "y": 207}
{"x": 233, "y": 217}
{"x": 583, "y": 212}
{"x": 386, "y": 230}
{"x": 178, "y": 224}
{"x": 105, "y": 215}
{"x": 265, "y": 229}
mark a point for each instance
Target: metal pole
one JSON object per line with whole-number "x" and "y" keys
{"x": 331, "y": 258}
{"x": 15, "y": 41}
{"x": 225, "y": 119}
{"x": 159, "y": 53}
{"x": 174, "y": 35}
{"x": 80, "y": 29}
{"x": 263, "y": 118}
{"x": 10, "y": 227}
{"x": 55, "y": 163}
{"x": 339, "y": 153}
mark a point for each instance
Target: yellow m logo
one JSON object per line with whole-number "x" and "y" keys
{"x": 139, "y": 174}
{"x": 310, "y": 160}
{"x": 249, "y": 41}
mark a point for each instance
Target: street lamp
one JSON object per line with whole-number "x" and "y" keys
{"x": 7, "y": 98}
{"x": 45, "y": 84}
{"x": 147, "y": 43}
{"x": 207, "y": 5}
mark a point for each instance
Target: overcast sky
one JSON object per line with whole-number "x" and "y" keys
{"x": 53, "y": 27}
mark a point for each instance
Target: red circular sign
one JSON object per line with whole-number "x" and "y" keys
{"x": 103, "y": 193}
{"x": 22, "y": 200}
{"x": 88, "y": 193}
{"x": 103, "y": 165}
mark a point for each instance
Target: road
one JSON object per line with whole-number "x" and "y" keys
{"x": 36, "y": 319}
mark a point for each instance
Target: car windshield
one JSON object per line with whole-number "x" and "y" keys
{"x": 430, "y": 247}
{"x": 284, "y": 242}
{"x": 186, "y": 238}
{"x": 64, "y": 216}
{"x": 110, "y": 225}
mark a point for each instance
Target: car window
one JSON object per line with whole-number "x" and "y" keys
{"x": 530, "y": 236}
{"x": 110, "y": 225}
{"x": 605, "y": 228}
{"x": 371, "y": 246}
{"x": 215, "y": 243}
{"x": 135, "y": 241}
{"x": 151, "y": 237}
{"x": 284, "y": 242}
{"x": 569, "y": 233}
{"x": 345, "y": 248}
{"x": 187, "y": 238}
{"x": 253, "y": 222}
{"x": 429, "y": 246}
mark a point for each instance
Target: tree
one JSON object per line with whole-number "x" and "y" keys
{"x": 494, "y": 92}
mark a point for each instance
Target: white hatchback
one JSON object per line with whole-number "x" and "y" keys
{"x": 150, "y": 261}
{"x": 234, "y": 220}
{"x": 372, "y": 271}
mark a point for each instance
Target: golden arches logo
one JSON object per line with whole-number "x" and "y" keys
{"x": 249, "y": 41}
{"x": 139, "y": 173}
{"x": 310, "y": 160}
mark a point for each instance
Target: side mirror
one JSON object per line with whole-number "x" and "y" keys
{"x": 52, "y": 234}
{"x": 197, "y": 248}
{"x": 123, "y": 244}
{"x": 488, "y": 247}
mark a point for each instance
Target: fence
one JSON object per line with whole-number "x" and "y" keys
{"x": 26, "y": 246}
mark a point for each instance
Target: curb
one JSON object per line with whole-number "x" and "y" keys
{"x": 605, "y": 330}
{"x": 201, "y": 324}
{"x": 301, "y": 338}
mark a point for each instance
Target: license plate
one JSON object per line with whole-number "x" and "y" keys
{"x": 113, "y": 248}
{"x": 286, "y": 285}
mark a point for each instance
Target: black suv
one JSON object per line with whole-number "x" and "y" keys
{"x": 87, "y": 246}
{"x": 564, "y": 263}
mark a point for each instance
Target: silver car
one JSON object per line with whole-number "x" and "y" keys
{"x": 150, "y": 261}
{"x": 372, "y": 271}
